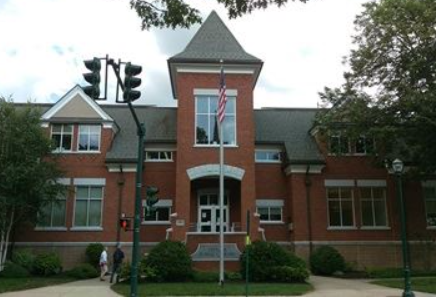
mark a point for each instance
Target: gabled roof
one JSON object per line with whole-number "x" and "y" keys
{"x": 213, "y": 42}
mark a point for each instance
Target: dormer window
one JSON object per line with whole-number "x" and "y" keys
{"x": 364, "y": 145}
{"x": 89, "y": 138}
{"x": 339, "y": 144}
{"x": 206, "y": 132}
{"x": 343, "y": 145}
{"x": 62, "y": 135}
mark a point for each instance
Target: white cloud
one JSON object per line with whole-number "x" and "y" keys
{"x": 44, "y": 43}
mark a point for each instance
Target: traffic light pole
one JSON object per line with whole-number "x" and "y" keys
{"x": 138, "y": 205}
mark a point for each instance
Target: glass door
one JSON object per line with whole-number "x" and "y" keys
{"x": 209, "y": 212}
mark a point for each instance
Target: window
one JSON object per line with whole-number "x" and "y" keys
{"x": 89, "y": 200}
{"x": 159, "y": 156}
{"x": 373, "y": 206}
{"x": 53, "y": 214}
{"x": 267, "y": 156}
{"x": 340, "y": 207}
{"x": 62, "y": 135}
{"x": 206, "y": 132}
{"x": 339, "y": 145}
{"x": 270, "y": 210}
{"x": 364, "y": 145}
{"x": 430, "y": 204}
{"x": 89, "y": 138}
{"x": 161, "y": 214}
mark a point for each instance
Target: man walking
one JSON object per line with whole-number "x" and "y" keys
{"x": 118, "y": 260}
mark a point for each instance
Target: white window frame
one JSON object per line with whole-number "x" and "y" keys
{"x": 269, "y": 204}
{"x": 88, "y": 126}
{"x": 161, "y": 204}
{"x": 269, "y": 153}
{"x": 159, "y": 158}
{"x": 340, "y": 137}
{"x": 340, "y": 199}
{"x": 372, "y": 201}
{"x": 62, "y": 133}
{"x": 89, "y": 182}
{"x": 209, "y": 114}
{"x": 428, "y": 184}
{"x": 60, "y": 199}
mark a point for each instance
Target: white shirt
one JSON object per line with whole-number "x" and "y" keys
{"x": 103, "y": 257}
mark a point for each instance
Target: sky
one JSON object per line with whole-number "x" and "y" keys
{"x": 44, "y": 42}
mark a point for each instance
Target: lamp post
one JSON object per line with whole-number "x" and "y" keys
{"x": 398, "y": 166}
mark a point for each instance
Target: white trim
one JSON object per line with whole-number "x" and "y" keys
{"x": 213, "y": 70}
{"x": 339, "y": 182}
{"x": 160, "y": 203}
{"x": 215, "y": 92}
{"x": 87, "y": 229}
{"x": 89, "y": 182}
{"x": 51, "y": 229}
{"x": 213, "y": 170}
{"x": 269, "y": 203}
{"x": 64, "y": 181}
{"x": 371, "y": 183}
{"x": 126, "y": 167}
{"x": 76, "y": 90}
{"x": 302, "y": 169}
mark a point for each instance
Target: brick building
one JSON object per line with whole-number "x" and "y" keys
{"x": 300, "y": 194}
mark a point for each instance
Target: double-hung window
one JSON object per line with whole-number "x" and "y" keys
{"x": 373, "y": 206}
{"x": 88, "y": 209}
{"x": 89, "y": 138}
{"x": 158, "y": 156}
{"x": 160, "y": 214}
{"x": 52, "y": 215}
{"x": 62, "y": 135}
{"x": 270, "y": 210}
{"x": 340, "y": 207}
{"x": 429, "y": 190}
{"x": 339, "y": 144}
{"x": 206, "y": 122}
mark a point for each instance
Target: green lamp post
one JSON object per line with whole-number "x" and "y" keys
{"x": 398, "y": 166}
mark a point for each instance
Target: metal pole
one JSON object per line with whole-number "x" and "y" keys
{"x": 406, "y": 264}
{"x": 221, "y": 281}
{"x": 247, "y": 259}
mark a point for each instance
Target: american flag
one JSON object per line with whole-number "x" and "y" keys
{"x": 222, "y": 99}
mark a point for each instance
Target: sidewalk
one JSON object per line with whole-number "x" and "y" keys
{"x": 324, "y": 287}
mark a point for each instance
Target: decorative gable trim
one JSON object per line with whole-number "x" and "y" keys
{"x": 77, "y": 90}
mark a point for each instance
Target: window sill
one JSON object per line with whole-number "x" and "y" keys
{"x": 384, "y": 228}
{"x": 271, "y": 222}
{"x": 156, "y": 223}
{"x": 268, "y": 162}
{"x": 215, "y": 146}
{"x": 158, "y": 161}
{"x": 76, "y": 152}
{"x": 51, "y": 229}
{"x": 341, "y": 228}
{"x": 87, "y": 229}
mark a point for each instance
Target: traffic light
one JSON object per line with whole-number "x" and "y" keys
{"x": 125, "y": 224}
{"x": 93, "y": 78}
{"x": 151, "y": 199}
{"x": 131, "y": 82}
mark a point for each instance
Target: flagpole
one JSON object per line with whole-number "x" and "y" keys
{"x": 221, "y": 181}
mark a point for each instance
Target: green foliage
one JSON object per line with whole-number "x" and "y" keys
{"x": 233, "y": 276}
{"x": 171, "y": 261}
{"x": 326, "y": 260}
{"x": 24, "y": 258}
{"x": 390, "y": 91}
{"x": 205, "y": 276}
{"x": 47, "y": 264}
{"x": 93, "y": 252}
{"x": 125, "y": 271}
{"x": 13, "y": 270}
{"x": 288, "y": 274}
{"x": 178, "y": 13}
{"x": 267, "y": 256}
{"x": 83, "y": 271}
{"x": 396, "y": 272}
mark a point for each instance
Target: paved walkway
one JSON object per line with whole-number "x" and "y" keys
{"x": 324, "y": 287}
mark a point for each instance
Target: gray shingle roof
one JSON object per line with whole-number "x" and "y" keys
{"x": 160, "y": 125}
{"x": 212, "y": 42}
{"x": 290, "y": 127}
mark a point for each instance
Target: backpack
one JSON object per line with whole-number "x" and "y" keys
{"x": 118, "y": 256}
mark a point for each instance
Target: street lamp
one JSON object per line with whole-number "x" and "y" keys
{"x": 398, "y": 166}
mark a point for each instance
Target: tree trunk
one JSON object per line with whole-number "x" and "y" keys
{"x": 4, "y": 239}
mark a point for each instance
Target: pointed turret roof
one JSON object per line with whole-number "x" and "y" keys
{"x": 213, "y": 42}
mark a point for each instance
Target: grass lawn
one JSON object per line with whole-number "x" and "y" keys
{"x": 18, "y": 284}
{"x": 212, "y": 289}
{"x": 421, "y": 284}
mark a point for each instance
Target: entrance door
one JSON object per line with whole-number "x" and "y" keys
{"x": 209, "y": 212}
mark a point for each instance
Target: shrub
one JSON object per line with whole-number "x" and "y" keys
{"x": 47, "y": 264}
{"x": 289, "y": 274}
{"x": 265, "y": 256}
{"x": 326, "y": 260}
{"x": 171, "y": 261}
{"x": 125, "y": 271}
{"x": 93, "y": 252}
{"x": 24, "y": 258}
{"x": 233, "y": 276}
{"x": 83, "y": 271}
{"x": 13, "y": 270}
{"x": 206, "y": 276}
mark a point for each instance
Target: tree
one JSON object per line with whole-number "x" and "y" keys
{"x": 390, "y": 90}
{"x": 178, "y": 13}
{"x": 28, "y": 179}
